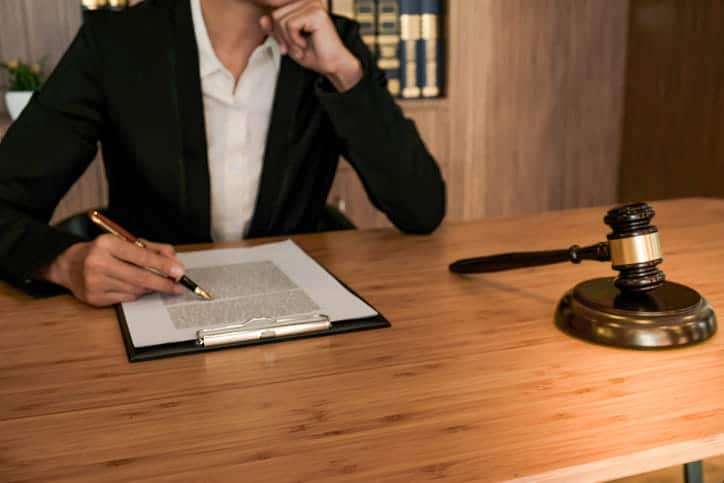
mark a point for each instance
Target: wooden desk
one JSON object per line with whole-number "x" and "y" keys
{"x": 455, "y": 390}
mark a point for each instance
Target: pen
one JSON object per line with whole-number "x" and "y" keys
{"x": 114, "y": 229}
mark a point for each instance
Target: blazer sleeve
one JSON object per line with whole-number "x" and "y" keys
{"x": 42, "y": 154}
{"x": 400, "y": 176}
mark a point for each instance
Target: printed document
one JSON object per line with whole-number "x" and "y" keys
{"x": 272, "y": 280}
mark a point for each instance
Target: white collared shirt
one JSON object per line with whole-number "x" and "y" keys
{"x": 237, "y": 122}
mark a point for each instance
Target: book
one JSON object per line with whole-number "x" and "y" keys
{"x": 431, "y": 58}
{"x": 365, "y": 15}
{"x": 388, "y": 40}
{"x": 410, "y": 46}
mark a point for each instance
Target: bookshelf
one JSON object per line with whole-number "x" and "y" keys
{"x": 407, "y": 37}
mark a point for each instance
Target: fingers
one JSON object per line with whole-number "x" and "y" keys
{"x": 100, "y": 290}
{"x": 294, "y": 25}
{"x": 114, "y": 265}
{"x": 142, "y": 257}
{"x": 103, "y": 290}
{"x": 162, "y": 248}
{"x": 117, "y": 285}
{"x": 296, "y": 6}
{"x": 291, "y": 24}
{"x": 130, "y": 274}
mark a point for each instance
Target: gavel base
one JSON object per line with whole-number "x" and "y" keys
{"x": 671, "y": 315}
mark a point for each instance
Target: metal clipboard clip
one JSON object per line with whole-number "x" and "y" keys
{"x": 262, "y": 328}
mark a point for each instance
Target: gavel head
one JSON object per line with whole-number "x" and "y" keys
{"x": 635, "y": 247}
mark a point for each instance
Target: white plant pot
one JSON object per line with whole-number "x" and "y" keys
{"x": 16, "y": 102}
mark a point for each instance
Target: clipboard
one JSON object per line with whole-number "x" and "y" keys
{"x": 138, "y": 354}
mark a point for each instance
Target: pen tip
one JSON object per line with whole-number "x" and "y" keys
{"x": 202, "y": 293}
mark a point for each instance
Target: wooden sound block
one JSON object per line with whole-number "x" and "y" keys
{"x": 671, "y": 315}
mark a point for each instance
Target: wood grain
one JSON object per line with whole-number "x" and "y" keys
{"x": 473, "y": 382}
{"x": 674, "y": 116}
{"x": 536, "y": 102}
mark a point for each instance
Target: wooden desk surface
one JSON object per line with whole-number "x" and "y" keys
{"x": 458, "y": 389}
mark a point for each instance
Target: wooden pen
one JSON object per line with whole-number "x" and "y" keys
{"x": 115, "y": 229}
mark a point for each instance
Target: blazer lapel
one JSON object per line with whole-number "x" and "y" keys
{"x": 190, "y": 111}
{"x": 290, "y": 85}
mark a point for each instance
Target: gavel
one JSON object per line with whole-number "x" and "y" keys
{"x": 638, "y": 309}
{"x": 633, "y": 248}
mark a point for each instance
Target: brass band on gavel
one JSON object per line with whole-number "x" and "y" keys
{"x": 635, "y": 249}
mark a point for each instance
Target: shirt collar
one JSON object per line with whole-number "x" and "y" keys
{"x": 272, "y": 47}
{"x": 208, "y": 61}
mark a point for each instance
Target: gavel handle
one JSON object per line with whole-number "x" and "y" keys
{"x": 509, "y": 261}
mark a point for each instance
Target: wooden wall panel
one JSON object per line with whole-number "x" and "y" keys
{"x": 672, "y": 139}
{"x": 536, "y": 101}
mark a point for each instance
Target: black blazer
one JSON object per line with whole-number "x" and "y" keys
{"x": 131, "y": 81}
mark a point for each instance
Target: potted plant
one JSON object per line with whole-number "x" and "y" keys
{"x": 24, "y": 81}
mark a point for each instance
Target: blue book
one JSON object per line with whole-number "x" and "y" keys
{"x": 388, "y": 41}
{"x": 410, "y": 48}
{"x": 431, "y": 58}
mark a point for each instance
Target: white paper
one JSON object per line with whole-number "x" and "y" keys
{"x": 272, "y": 280}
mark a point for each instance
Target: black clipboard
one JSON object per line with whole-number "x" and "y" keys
{"x": 138, "y": 354}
